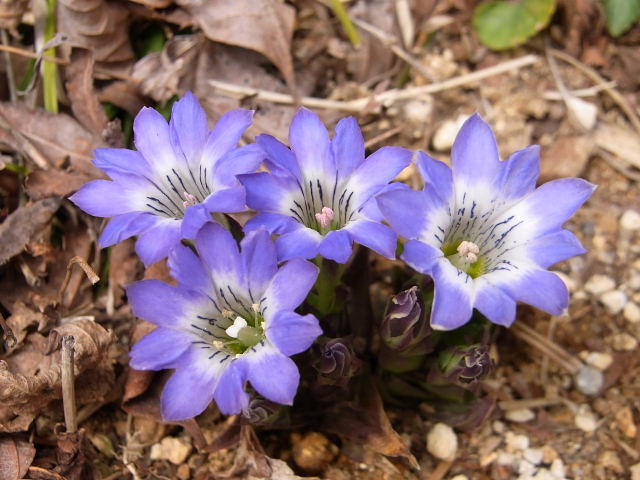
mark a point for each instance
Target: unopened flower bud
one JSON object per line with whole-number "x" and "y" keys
{"x": 337, "y": 361}
{"x": 405, "y": 325}
{"x": 261, "y": 411}
{"x": 466, "y": 364}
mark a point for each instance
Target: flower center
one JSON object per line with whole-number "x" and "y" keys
{"x": 166, "y": 200}
{"x": 325, "y": 217}
{"x": 466, "y": 257}
{"x": 190, "y": 200}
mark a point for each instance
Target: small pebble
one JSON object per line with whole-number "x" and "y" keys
{"x": 614, "y": 301}
{"x": 498, "y": 426}
{"x": 589, "y": 380}
{"x": 525, "y": 467}
{"x": 488, "y": 459}
{"x": 635, "y": 471}
{"x": 549, "y": 454}
{"x": 623, "y": 342}
{"x": 533, "y": 455}
{"x": 459, "y": 477}
{"x": 516, "y": 442}
{"x": 520, "y": 415}
{"x": 313, "y": 451}
{"x": 173, "y": 449}
{"x": 599, "y": 284}
{"x": 586, "y": 421}
{"x": 609, "y": 459}
{"x": 445, "y": 135}
{"x": 624, "y": 421}
{"x": 630, "y": 221}
{"x": 557, "y": 468}
{"x": 442, "y": 442}
{"x": 506, "y": 459}
{"x": 631, "y": 312}
{"x": 544, "y": 474}
{"x": 599, "y": 360}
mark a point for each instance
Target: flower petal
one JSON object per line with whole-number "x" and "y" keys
{"x": 273, "y": 222}
{"x": 116, "y": 161}
{"x": 437, "y": 176}
{"x": 421, "y": 256}
{"x": 280, "y": 159}
{"x": 347, "y": 147}
{"x": 289, "y": 287}
{"x": 187, "y": 268}
{"x": 258, "y": 255}
{"x": 301, "y": 243}
{"x": 374, "y": 235}
{"x": 453, "y": 297}
{"x": 151, "y": 134}
{"x": 226, "y": 135}
{"x": 241, "y": 160}
{"x": 540, "y": 288}
{"x": 219, "y": 251}
{"x": 405, "y": 210}
{"x": 474, "y": 157}
{"x": 159, "y": 349}
{"x": 266, "y": 192}
{"x": 376, "y": 171}
{"x": 189, "y": 127}
{"x": 273, "y": 375}
{"x": 337, "y": 245}
{"x": 521, "y": 172}
{"x": 494, "y": 303}
{"x": 554, "y": 247}
{"x": 228, "y": 200}
{"x": 195, "y": 216}
{"x": 292, "y": 333}
{"x": 310, "y": 143}
{"x": 155, "y": 243}
{"x": 229, "y": 393}
{"x": 165, "y": 305}
{"x": 104, "y": 198}
{"x": 124, "y": 226}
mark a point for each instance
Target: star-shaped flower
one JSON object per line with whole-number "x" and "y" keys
{"x": 484, "y": 232}
{"x": 229, "y": 321}
{"x": 319, "y": 193}
{"x": 180, "y": 174}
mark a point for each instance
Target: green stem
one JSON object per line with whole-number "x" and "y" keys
{"x": 50, "y": 69}
{"x": 349, "y": 28}
{"x": 329, "y": 278}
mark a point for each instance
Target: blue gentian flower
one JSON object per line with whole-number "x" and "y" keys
{"x": 484, "y": 232}
{"x": 180, "y": 174}
{"x": 319, "y": 193}
{"x": 229, "y": 321}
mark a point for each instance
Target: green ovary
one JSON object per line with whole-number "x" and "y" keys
{"x": 474, "y": 270}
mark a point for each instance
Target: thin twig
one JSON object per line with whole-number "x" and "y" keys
{"x": 555, "y": 352}
{"x": 619, "y": 165}
{"x": 528, "y": 403}
{"x": 581, "y": 92}
{"x": 595, "y": 76}
{"x": 29, "y": 54}
{"x": 68, "y": 384}
{"x": 441, "y": 470}
{"x": 82, "y": 263}
{"x": 405, "y": 22}
{"x": 351, "y": 31}
{"x": 385, "y": 98}
{"x": 392, "y": 43}
{"x": 385, "y": 135}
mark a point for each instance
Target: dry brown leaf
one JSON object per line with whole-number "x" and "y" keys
{"x": 79, "y": 83}
{"x": 566, "y": 157}
{"x": 162, "y": 73}
{"x": 16, "y": 455}
{"x": 19, "y": 227}
{"x": 622, "y": 142}
{"x": 54, "y": 183}
{"x": 11, "y": 12}
{"x": 23, "y": 317}
{"x": 48, "y": 139}
{"x": 31, "y": 378}
{"x": 265, "y": 26}
{"x": 100, "y": 26}
{"x": 125, "y": 95}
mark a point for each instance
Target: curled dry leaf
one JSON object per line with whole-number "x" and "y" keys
{"x": 54, "y": 183}
{"x": 100, "y": 26}
{"x": 26, "y": 391}
{"x": 22, "y": 317}
{"x": 16, "y": 455}
{"x": 162, "y": 73}
{"x": 11, "y": 12}
{"x": 79, "y": 82}
{"x": 265, "y": 26}
{"x": 19, "y": 227}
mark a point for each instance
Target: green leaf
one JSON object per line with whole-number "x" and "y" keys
{"x": 621, "y": 14}
{"x": 501, "y": 25}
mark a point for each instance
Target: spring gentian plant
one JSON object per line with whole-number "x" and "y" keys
{"x": 484, "y": 232}
{"x": 319, "y": 193}
{"x": 180, "y": 174}
{"x": 229, "y": 321}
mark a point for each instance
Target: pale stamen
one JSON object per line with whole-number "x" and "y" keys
{"x": 238, "y": 324}
{"x": 468, "y": 251}
{"x": 190, "y": 200}
{"x": 325, "y": 217}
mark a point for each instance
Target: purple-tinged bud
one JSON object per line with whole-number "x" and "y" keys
{"x": 466, "y": 364}
{"x": 405, "y": 325}
{"x": 261, "y": 411}
{"x": 337, "y": 361}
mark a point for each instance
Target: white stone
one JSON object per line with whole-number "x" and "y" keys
{"x": 557, "y": 468}
{"x": 516, "y": 442}
{"x": 544, "y": 474}
{"x": 445, "y": 135}
{"x": 631, "y": 312}
{"x": 498, "y": 426}
{"x": 173, "y": 449}
{"x": 442, "y": 442}
{"x": 460, "y": 477}
{"x": 520, "y": 415}
{"x": 586, "y": 421}
{"x": 630, "y": 221}
{"x": 633, "y": 282}
{"x": 599, "y": 360}
{"x": 533, "y": 455}
{"x": 599, "y": 284}
{"x": 614, "y": 301}
{"x": 635, "y": 471}
{"x": 506, "y": 459}
{"x": 525, "y": 467}
{"x": 418, "y": 111}
{"x": 624, "y": 342}
{"x": 589, "y": 380}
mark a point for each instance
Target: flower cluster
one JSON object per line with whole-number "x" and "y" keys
{"x": 480, "y": 229}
